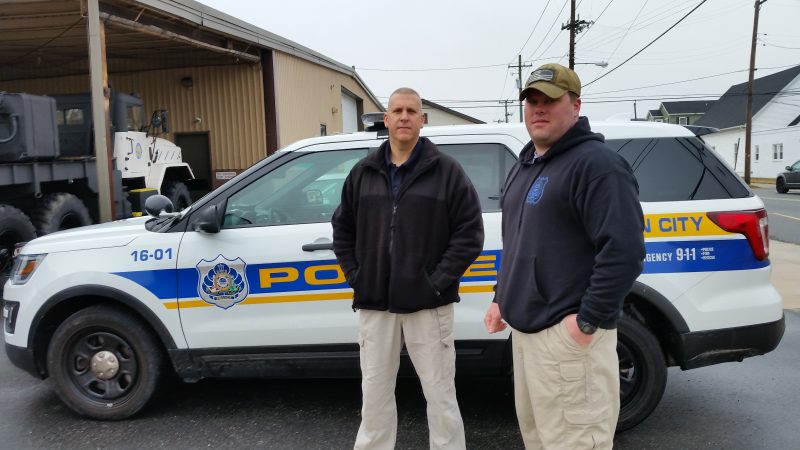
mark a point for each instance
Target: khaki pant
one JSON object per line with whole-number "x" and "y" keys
{"x": 428, "y": 336}
{"x": 566, "y": 396}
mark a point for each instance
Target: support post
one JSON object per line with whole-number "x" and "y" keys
{"x": 98, "y": 74}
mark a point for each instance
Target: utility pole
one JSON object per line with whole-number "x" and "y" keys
{"x": 748, "y": 129}
{"x": 574, "y": 27}
{"x": 519, "y": 67}
{"x": 505, "y": 103}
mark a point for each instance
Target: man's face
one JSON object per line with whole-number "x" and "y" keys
{"x": 547, "y": 119}
{"x": 404, "y": 118}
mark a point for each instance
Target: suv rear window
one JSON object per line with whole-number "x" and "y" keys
{"x": 675, "y": 169}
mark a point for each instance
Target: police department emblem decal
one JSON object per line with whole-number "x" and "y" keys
{"x": 222, "y": 282}
{"x": 537, "y": 190}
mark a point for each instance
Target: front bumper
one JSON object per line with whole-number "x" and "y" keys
{"x": 704, "y": 348}
{"x": 23, "y": 358}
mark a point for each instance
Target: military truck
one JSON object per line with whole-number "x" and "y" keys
{"x": 48, "y": 175}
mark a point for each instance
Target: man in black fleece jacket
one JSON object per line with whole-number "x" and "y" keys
{"x": 407, "y": 228}
{"x": 572, "y": 247}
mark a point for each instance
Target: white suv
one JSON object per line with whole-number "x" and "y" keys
{"x": 244, "y": 282}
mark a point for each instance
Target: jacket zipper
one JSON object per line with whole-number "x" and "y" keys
{"x": 395, "y": 200}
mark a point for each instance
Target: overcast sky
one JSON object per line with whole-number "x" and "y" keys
{"x": 457, "y": 53}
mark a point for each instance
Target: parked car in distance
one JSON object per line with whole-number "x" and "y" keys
{"x": 790, "y": 179}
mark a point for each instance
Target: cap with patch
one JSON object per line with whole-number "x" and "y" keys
{"x": 553, "y": 80}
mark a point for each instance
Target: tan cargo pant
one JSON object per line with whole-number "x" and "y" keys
{"x": 566, "y": 395}
{"x": 428, "y": 336}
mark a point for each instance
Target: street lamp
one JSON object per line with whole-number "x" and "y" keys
{"x": 602, "y": 64}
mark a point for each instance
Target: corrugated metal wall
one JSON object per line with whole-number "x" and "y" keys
{"x": 227, "y": 100}
{"x": 309, "y": 95}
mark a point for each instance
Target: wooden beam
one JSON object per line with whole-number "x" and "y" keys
{"x": 156, "y": 31}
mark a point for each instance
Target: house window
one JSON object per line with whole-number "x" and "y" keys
{"x": 683, "y": 121}
{"x": 756, "y": 153}
{"x": 323, "y": 129}
{"x": 777, "y": 152}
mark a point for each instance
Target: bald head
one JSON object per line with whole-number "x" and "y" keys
{"x": 405, "y": 91}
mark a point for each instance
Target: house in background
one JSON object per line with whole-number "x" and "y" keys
{"x": 680, "y": 113}
{"x": 436, "y": 114}
{"x": 775, "y": 139}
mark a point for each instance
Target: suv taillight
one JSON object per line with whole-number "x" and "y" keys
{"x": 753, "y": 224}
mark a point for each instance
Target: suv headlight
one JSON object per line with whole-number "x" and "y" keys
{"x": 24, "y": 266}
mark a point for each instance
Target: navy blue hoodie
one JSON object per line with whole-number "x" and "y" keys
{"x": 572, "y": 234}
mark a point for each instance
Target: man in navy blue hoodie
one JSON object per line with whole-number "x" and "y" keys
{"x": 572, "y": 247}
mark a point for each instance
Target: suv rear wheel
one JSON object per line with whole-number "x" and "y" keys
{"x": 642, "y": 372}
{"x": 104, "y": 363}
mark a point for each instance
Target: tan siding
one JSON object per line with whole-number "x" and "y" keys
{"x": 227, "y": 99}
{"x": 439, "y": 117}
{"x": 308, "y": 95}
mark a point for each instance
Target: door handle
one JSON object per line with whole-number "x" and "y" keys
{"x": 317, "y": 246}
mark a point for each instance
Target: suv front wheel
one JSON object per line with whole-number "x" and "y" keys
{"x": 104, "y": 363}
{"x": 780, "y": 186}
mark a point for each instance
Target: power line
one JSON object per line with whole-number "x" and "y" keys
{"x": 648, "y": 45}
{"x": 622, "y": 99}
{"x": 627, "y": 31}
{"x": 534, "y": 27}
{"x": 431, "y": 69}
{"x": 778, "y": 46}
{"x": 548, "y": 33}
{"x": 595, "y": 20}
{"x": 658, "y": 14}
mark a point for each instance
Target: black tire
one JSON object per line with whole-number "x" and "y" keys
{"x": 178, "y": 193}
{"x": 780, "y": 186}
{"x": 102, "y": 395}
{"x": 642, "y": 372}
{"x": 60, "y": 211}
{"x": 14, "y": 227}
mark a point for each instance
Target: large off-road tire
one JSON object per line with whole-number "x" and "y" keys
{"x": 60, "y": 211}
{"x": 104, "y": 363}
{"x": 642, "y": 372}
{"x": 780, "y": 186}
{"x": 14, "y": 227}
{"x": 178, "y": 193}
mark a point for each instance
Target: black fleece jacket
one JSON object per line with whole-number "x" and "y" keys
{"x": 407, "y": 253}
{"x": 572, "y": 234}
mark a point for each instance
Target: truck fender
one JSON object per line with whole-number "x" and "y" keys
{"x": 73, "y": 299}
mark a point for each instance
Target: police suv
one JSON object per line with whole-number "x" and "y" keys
{"x": 244, "y": 282}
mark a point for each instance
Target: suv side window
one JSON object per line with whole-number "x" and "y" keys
{"x": 675, "y": 169}
{"x": 486, "y": 166}
{"x": 306, "y": 189}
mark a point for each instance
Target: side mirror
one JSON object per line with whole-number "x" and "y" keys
{"x": 789, "y": 168}
{"x": 164, "y": 116}
{"x": 156, "y": 204}
{"x": 207, "y": 220}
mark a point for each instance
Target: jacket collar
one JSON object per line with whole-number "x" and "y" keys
{"x": 580, "y": 132}
{"x": 428, "y": 154}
